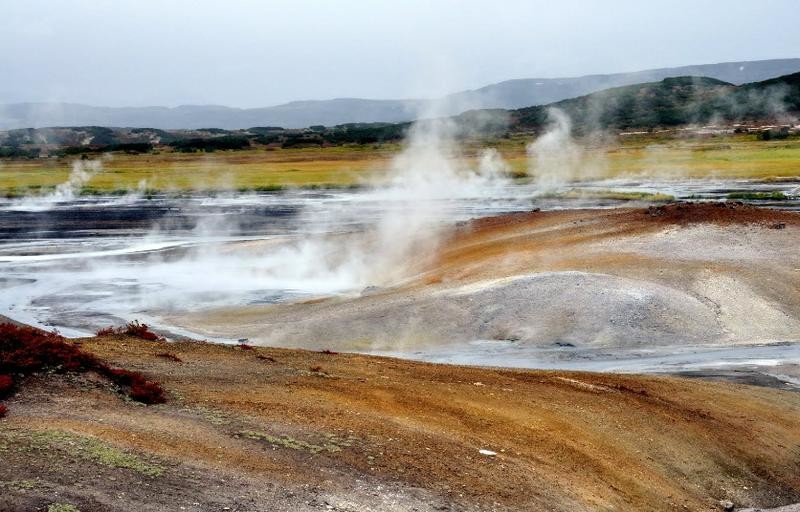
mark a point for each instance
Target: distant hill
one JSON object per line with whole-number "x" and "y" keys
{"x": 511, "y": 94}
{"x": 673, "y": 102}
{"x": 514, "y": 94}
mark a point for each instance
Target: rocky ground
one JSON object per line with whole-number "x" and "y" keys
{"x": 274, "y": 429}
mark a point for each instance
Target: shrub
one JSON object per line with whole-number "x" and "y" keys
{"x": 142, "y": 331}
{"x": 147, "y": 392}
{"x": 6, "y": 384}
{"x": 25, "y": 350}
{"x": 135, "y": 329}
{"x": 139, "y": 388}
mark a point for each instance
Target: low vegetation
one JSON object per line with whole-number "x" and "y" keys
{"x": 25, "y": 351}
{"x": 133, "y": 329}
{"x": 615, "y": 195}
{"x": 81, "y": 447}
{"x": 759, "y": 196}
{"x": 734, "y": 156}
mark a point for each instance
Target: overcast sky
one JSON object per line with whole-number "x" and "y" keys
{"x": 259, "y": 53}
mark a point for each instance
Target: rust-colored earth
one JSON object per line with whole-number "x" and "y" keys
{"x": 275, "y": 429}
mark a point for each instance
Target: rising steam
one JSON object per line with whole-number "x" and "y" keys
{"x": 381, "y": 238}
{"x": 555, "y": 159}
{"x": 81, "y": 173}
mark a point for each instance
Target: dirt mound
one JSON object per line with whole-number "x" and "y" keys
{"x": 674, "y": 274}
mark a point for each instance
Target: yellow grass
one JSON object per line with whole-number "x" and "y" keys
{"x": 722, "y": 157}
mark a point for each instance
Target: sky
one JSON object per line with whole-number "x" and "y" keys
{"x": 244, "y": 53}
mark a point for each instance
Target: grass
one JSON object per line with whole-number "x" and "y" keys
{"x": 616, "y": 195}
{"x": 262, "y": 170}
{"x": 734, "y": 157}
{"x": 759, "y": 196}
{"x": 81, "y": 447}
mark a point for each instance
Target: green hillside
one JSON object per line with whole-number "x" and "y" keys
{"x": 671, "y": 102}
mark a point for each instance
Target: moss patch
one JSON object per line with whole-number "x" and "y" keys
{"x": 86, "y": 448}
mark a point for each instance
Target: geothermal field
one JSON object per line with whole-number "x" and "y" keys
{"x": 399, "y": 256}
{"x": 433, "y": 257}
{"x": 438, "y": 259}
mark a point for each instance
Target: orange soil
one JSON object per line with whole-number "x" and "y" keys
{"x": 564, "y": 441}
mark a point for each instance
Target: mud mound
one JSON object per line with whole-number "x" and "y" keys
{"x": 577, "y": 308}
{"x": 679, "y": 274}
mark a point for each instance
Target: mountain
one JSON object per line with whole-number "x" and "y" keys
{"x": 511, "y": 94}
{"x": 514, "y": 94}
{"x": 672, "y": 102}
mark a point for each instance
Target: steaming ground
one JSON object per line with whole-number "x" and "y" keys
{"x": 566, "y": 289}
{"x": 385, "y": 269}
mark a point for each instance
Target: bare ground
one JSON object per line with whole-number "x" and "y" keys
{"x": 679, "y": 274}
{"x": 276, "y": 429}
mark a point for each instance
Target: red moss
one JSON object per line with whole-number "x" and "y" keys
{"x": 245, "y": 346}
{"x": 134, "y": 329}
{"x": 147, "y": 392}
{"x": 25, "y": 350}
{"x": 170, "y": 356}
{"x": 139, "y": 388}
{"x": 3, "y": 410}
{"x": 142, "y": 331}
{"x": 6, "y": 385}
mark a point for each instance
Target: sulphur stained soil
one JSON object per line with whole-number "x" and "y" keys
{"x": 682, "y": 274}
{"x": 273, "y": 429}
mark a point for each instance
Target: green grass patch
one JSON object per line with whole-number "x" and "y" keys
{"x": 82, "y": 447}
{"x": 759, "y": 196}
{"x": 615, "y": 195}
